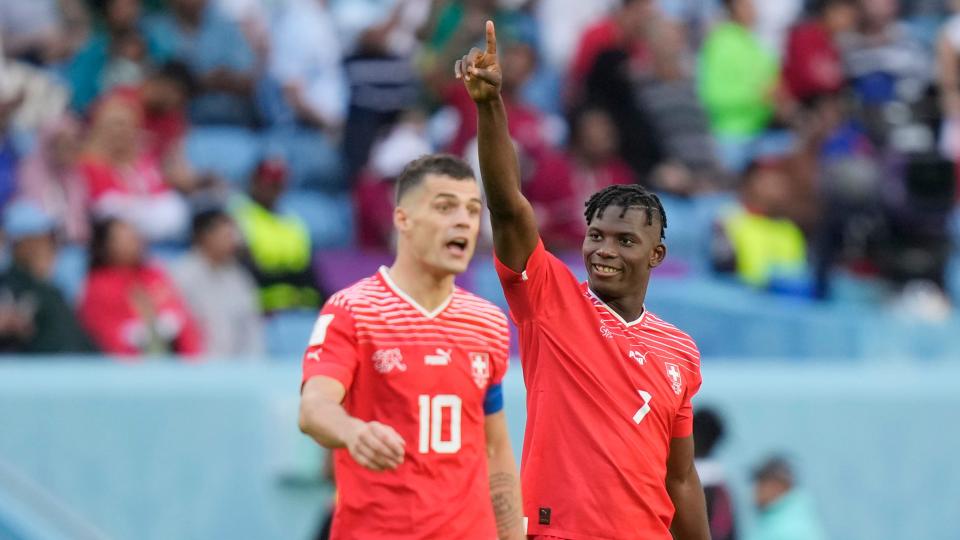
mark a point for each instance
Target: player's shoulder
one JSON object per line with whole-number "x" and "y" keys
{"x": 466, "y": 302}
{"x": 361, "y": 294}
{"x": 672, "y": 337}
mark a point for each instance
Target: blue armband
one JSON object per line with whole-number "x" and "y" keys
{"x": 493, "y": 402}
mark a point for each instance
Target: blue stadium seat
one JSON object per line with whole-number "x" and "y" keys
{"x": 313, "y": 160}
{"x": 287, "y": 333}
{"x": 70, "y": 272}
{"x": 230, "y": 152}
{"x": 329, "y": 217}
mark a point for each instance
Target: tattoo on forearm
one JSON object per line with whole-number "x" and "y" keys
{"x": 503, "y": 495}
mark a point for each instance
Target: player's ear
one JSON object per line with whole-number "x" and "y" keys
{"x": 401, "y": 219}
{"x": 658, "y": 254}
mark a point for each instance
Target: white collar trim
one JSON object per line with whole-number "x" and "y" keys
{"x": 408, "y": 299}
{"x": 635, "y": 322}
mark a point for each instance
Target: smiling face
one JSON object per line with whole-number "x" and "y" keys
{"x": 438, "y": 221}
{"x": 620, "y": 250}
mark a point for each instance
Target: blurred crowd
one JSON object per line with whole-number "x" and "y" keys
{"x": 236, "y": 137}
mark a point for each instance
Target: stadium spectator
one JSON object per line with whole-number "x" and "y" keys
{"x": 122, "y": 21}
{"x": 669, "y": 96}
{"x": 812, "y": 65}
{"x": 623, "y": 29}
{"x": 33, "y": 31}
{"x": 562, "y": 181}
{"x": 754, "y": 240}
{"x": 35, "y": 317}
{"x": 9, "y": 156}
{"x": 785, "y": 513}
{"x": 886, "y": 65}
{"x": 708, "y": 431}
{"x": 129, "y": 305}
{"x": 278, "y": 250}
{"x": 51, "y": 178}
{"x": 219, "y": 57}
{"x": 221, "y": 293}
{"x": 123, "y": 178}
{"x": 737, "y": 83}
{"x": 379, "y": 40}
{"x": 306, "y": 59}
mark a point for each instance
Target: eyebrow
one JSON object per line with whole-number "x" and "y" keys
{"x": 455, "y": 197}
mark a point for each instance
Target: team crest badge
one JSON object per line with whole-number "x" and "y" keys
{"x": 387, "y": 360}
{"x": 673, "y": 373}
{"x": 480, "y": 368}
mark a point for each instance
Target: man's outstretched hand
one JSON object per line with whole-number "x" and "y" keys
{"x": 480, "y": 70}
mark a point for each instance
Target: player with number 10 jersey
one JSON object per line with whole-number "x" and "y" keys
{"x": 419, "y": 380}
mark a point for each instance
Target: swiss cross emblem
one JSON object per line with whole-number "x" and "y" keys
{"x": 480, "y": 368}
{"x": 673, "y": 373}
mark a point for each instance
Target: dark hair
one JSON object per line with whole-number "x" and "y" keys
{"x": 440, "y": 164}
{"x": 179, "y": 73}
{"x": 707, "y": 431}
{"x": 100, "y": 242}
{"x": 206, "y": 220}
{"x": 627, "y": 196}
{"x": 818, "y": 7}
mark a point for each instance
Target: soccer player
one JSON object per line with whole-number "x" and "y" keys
{"x": 608, "y": 451}
{"x": 402, "y": 378}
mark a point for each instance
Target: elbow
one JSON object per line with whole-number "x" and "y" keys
{"x": 303, "y": 420}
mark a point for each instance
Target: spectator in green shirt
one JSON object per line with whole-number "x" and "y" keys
{"x": 34, "y": 315}
{"x": 738, "y": 83}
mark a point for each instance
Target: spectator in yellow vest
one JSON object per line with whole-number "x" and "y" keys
{"x": 755, "y": 241}
{"x": 278, "y": 246}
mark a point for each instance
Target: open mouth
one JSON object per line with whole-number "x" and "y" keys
{"x": 604, "y": 270}
{"x": 458, "y": 246}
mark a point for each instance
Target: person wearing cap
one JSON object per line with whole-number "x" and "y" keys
{"x": 35, "y": 317}
{"x": 278, "y": 249}
{"x": 784, "y": 512}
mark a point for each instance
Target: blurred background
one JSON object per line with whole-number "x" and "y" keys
{"x": 183, "y": 183}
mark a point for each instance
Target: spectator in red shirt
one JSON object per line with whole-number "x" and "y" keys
{"x": 123, "y": 178}
{"x": 812, "y": 62}
{"x": 625, "y": 28}
{"x": 562, "y": 181}
{"x": 129, "y": 306}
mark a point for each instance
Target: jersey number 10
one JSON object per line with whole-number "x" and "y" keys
{"x": 431, "y": 423}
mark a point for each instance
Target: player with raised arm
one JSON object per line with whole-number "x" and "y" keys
{"x": 608, "y": 450}
{"x": 402, "y": 378}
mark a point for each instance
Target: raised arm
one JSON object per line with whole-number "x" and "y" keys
{"x": 515, "y": 233}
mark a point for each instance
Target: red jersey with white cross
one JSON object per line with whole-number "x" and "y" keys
{"x": 604, "y": 399}
{"x": 426, "y": 376}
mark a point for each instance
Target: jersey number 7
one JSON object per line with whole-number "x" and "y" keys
{"x": 431, "y": 423}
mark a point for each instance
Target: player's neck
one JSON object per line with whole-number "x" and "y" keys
{"x": 427, "y": 289}
{"x": 629, "y": 308}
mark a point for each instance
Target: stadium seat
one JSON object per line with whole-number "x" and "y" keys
{"x": 287, "y": 333}
{"x": 230, "y": 152}
{"x": 313, "y": 161}
{"x": 329, "y": 218}
{"x": 70, "y": 272}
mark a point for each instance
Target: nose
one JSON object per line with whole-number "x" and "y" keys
{"x": 606, "y": 251}
{"x": 462, "y": 218}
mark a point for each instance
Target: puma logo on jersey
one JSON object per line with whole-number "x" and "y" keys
{"x": 441, "y": 358}
{"x": 386, "y": 360}
{"x": 314, "y": 355}
{"x": 638, "y": 356}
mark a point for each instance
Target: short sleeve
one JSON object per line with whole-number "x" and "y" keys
{"x": 540, "y": 289}
{"x": 683, "y": 423}
{"x": 332, "y": 350}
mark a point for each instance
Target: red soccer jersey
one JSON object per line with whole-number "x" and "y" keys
{"x": 604, "y": 399}
{"x": 426, "y": 376}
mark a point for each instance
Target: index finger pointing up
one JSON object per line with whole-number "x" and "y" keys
{"x": 491, "y": 39}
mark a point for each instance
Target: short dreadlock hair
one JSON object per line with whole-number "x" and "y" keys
{"x": 627, "y": 196}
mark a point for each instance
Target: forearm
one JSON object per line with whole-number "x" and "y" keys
{"x": 690, "y": 520}
{"x": 327, "y": 423}
{"x": 505, "y": 494}
{"x": 499, "y": 167}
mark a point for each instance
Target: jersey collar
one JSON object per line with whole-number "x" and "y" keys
{"x": 638, "y": 320}
{"x": 408, "y": 299}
